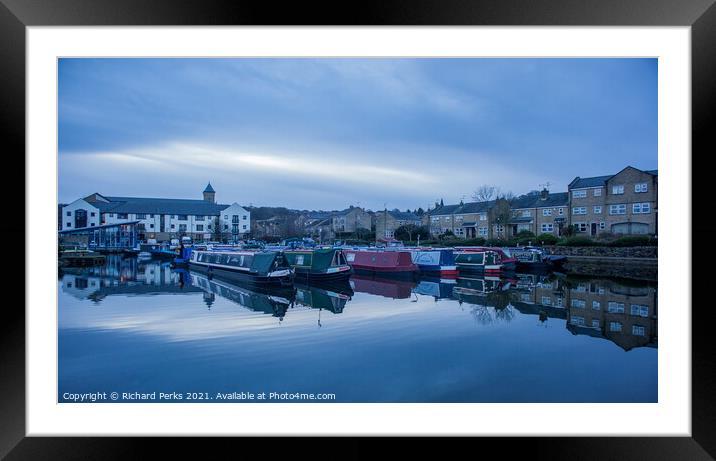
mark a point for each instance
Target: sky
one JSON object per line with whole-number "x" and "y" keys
{"x": 329, "y": 133}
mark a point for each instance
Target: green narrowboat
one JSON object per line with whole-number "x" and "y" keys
{"x": 319, "y": 264}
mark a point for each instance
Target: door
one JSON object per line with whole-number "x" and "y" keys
{"x": 594, "y": 228}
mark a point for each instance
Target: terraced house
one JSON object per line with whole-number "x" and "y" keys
{"x": 537, "y": 212}
{"x": 623, "y": 203}
{"x": 387, "y": 221}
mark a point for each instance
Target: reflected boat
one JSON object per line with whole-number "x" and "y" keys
{"x": 382, "y": 286}
{"x": 436, "y": 287}
{"x": 269, "y": 300}
{"x": 332, "y": 297}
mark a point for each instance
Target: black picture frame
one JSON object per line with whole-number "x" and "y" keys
{"x": 16, "y": 15}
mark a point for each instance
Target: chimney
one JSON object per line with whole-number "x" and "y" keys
{"x": 544, "y": 194}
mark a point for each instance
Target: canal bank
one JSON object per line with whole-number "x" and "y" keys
{"x": 639, "y": 263}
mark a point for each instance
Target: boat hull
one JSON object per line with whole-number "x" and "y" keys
{"x": 383, "y": 263}
{"x": 308, "y": 275}
{"x": 240, "y": 276}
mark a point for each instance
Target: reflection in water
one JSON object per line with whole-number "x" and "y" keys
{"x": 504, "y": 310}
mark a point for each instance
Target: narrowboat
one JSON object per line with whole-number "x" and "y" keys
{"x": 396, "y": 263}
{"x": 259, "y": 267}
{"x": 319, "y": 264}
{"x": 435, "y": 261}
{"x": 480, "y": 259}
{"x": 534, "y": 259}
{"x": 158, "y": 251}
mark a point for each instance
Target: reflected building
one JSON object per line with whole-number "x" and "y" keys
{"x": 625, "y": 314}
{"x": 122, "y": 276}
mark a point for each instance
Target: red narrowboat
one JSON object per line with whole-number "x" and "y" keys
{"x": 394, "y": 263}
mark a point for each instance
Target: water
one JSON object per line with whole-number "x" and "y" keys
{"x": 147, "y": 331}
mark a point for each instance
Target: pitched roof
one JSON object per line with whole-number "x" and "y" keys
{"x": 209, "y": 188}
{"x": 523, "y": 201}
{"x": 158, "y": 206}
{"x": 597, "y": 181}
{"x": 403, "y": 216}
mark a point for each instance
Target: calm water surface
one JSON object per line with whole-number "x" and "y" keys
{"x": 141, "y": 327}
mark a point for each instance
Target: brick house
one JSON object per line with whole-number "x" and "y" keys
{"x": 386, "y": 222}
{"x": 623, "y": 203}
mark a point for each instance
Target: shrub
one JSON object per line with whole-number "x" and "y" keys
{"x": 525, "y": 234}
{"x": 578, "y": 241}
{"x": 633, "y": 241}
{"x": 500, "y": 243}
{"x": 546, "y": 239}
{"x": 478, "y": 241}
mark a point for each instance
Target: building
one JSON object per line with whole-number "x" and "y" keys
{"x": 160, "y": 218}
{"x": 623, "y": 203}
{"x": 537, "y": 212}
{"x": 386, "y": 222}
{"x": 351, "y": 220}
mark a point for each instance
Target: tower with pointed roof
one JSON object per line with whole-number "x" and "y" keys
{"x": 209, "y": 194}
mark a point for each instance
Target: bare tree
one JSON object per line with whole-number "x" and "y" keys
{"x": 485, "y": 193}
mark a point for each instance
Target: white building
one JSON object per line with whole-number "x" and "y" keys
{"x": 160, "y": 218}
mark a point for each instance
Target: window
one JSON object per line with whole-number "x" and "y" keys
{"x": 615, "y": 326}
{"x": 121, "y": 215}
{"x": 641, "y": 208}
{"x": 618, "y": 190}
{"x": 596, "y": 305}
{"x": 580, "y": 226}
{"x": 561, "y": 211}
{"x": 546, "y": 300}
{"x": 641, "y": 187}
{"x": 111, "y": 215}
{"x": 243, "y": 217}
{"x": 579, "y": 303}
{"x": 226, "y": 217}
{"x": 595, "y": 323}
{"x": 482, "y": 231}
{"x": 526, "y": 214}
{"x": 602, "y": 226}
{"x": 69, "y": 213}
{"x": 91, "y": 224}
{"x": 151, "y": 226}
{"x": 182, "y": 217}
{"x": 199, "y": 217}
{"x": 598, "y": 192}
{"x": 69, "y": 224}
{"x": 483, "y": 216}
{"x": 547, "y": 212}
{"x": 235, "y": 219}
{"x": 459, "y": 231}
{"x": 91, "y": 213}
{"x": 435, "y": 218}
{"x": 597, "y": 210}
{"x": 638, "y": 330}
{"x": 579, "y": 210}
{"x": 547, "y": 227}
{"x": 579, "y": 193}
{"x": 151, "y": 216}
{"x": 616, "y": 308}
{"x": 617, "y": 209}
{"x": 243, "y": 227}
{"x": 200, "y": 228}
{"x": 226, "y": 227}
{"x": 577, "y": 320}
{"x": 640, "y": 310}
{"x": 141, "y": 216}
{"x": 172, "y": 226}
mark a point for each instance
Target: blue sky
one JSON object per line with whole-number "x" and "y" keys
{"x": 328, "y": 133}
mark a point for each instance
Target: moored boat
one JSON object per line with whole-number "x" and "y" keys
{"x": 319, "y": 264}
{"x": 435, "y": 261}
{"x": 260, "y": 267}
{"x": 392, "y": 263}
{"x": 481, "y": 259}
{"x": 534, "y": 259}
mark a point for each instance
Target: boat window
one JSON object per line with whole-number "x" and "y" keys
{"x": 341, "y": 258}
{"x": 299, "y": 260}
{"x": 234, "y": 260}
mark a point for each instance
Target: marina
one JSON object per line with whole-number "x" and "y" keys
{"x": 150, "y": 326}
